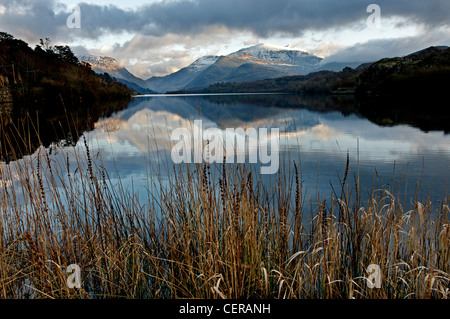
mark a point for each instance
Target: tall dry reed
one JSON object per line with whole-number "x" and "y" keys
{"x": 209, "y": 231}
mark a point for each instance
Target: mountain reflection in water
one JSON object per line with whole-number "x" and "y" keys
{"x": 316, "y": 132}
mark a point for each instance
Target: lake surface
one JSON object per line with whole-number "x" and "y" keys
{"x": 316, "y": 132}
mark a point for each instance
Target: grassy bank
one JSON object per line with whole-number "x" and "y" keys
{"x": 210, "y": 232}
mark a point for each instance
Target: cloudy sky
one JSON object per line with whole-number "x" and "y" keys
{"x": 157, "y": 37}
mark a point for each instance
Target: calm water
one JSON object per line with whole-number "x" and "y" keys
{"x": 315, "y": 132}
{"x": 400, "y": 157}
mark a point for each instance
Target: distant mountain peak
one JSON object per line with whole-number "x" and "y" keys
{"x": 264, "y": 49}
{"x": 282, "y": 58}
{"x": 429, "y": 50}
{"x": 101, "y": 62}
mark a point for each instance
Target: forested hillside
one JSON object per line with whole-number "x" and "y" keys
{"x": 48, "y": 95}
{"x": 47, "y": 74}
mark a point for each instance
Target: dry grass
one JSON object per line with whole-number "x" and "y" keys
{"x": 209, "y": 232}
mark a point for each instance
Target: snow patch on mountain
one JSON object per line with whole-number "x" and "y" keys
{"x": 266, "y": 52}
{"x": 101, "y": 62}
{"x": 202, "y": 63}
{"x": 283, "y": 58}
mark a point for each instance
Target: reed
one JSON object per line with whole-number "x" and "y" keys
{"x": 210, "y": 231}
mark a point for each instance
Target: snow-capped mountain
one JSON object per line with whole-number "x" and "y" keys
{"x": 257, "y": 62}
{"x": 281, "y": 58}
{"x": 100, "y": 62}
{"x": 105, "y": 64}
{"x": 233, "y": 69}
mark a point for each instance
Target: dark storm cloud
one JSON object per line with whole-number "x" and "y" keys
{"x": 28, "y": 18}
{"x": 263, "y": 18}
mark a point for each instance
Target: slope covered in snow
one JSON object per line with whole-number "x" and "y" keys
{"x": 101, "y": 62}
{"x": 202, "y": 63}
{"x": 281, "y": 58}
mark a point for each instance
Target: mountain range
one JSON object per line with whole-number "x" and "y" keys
{"x": 423, "y": 74}
{"x": 258, "y": 62}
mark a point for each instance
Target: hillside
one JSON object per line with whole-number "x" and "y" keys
{"x": 44, "y": 74}
{"x": 322, "y": 82}
{"x": 410, "y": 89}
{"x": 52, "y": 88}
{"x": 182, "y": 77}
{"x": 232, "y": 69}
{"x": 424, "y": 73}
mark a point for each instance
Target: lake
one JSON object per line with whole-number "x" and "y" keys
{"x": 317, "y": 132}
{"x": 314, "y": 132}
